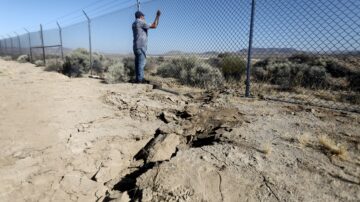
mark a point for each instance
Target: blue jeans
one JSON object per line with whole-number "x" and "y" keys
{"x": 140, "y": 62}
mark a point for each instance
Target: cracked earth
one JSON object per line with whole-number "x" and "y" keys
{"x": 67, "y": 139}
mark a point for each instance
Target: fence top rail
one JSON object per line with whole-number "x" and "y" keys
{"x": 53, "y": 46}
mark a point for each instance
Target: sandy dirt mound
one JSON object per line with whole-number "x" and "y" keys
{"x": 80, "y": 140}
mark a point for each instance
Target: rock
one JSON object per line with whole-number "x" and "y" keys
{"x": 77, "y": 182}
{"x": 160, "y": 148}
{"x": 117, "y": 196}
{"x": 147, "y": 195}
{"x": 164, "y": 148}
{"x": 165, "y": 129}
{"x": 189, "y": 111}
{"x": 170, "y": 128}
{"x": 311, "y": 110}
{"x": 167, "y": 117}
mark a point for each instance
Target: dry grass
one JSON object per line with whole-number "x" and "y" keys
{"x": 304, "y": 139}
{"x": 334, "y": 148}
{"x": 266, "y": 148}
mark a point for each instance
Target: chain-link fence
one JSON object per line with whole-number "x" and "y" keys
{"x": 299, "y": 51}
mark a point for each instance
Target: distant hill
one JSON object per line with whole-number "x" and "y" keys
{"x": 175, "y": 52}
{"x": 267, "y": 52}
{"x": 257, "y": 52}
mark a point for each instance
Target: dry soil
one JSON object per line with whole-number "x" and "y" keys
{"x": 66, "y": 139}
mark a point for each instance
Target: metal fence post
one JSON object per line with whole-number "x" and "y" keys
{"x": 138, "y": 4}
{"x": 61, "y": 42}
{"x": 29, "y": 37}
{"x": 1, "y": 47}
{"x": 11, "y": 45}
{"x": 5, "y": 45}
{"x": 248, "y": 67}
{"x": 90, "y": 48}
{"x": 19, "y": 42}
{"x": 42, "y": 43}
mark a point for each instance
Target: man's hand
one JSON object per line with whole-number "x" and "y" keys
{"x": 156, "y": 22}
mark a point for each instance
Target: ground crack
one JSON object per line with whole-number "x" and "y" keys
{"x": 266, "y": 181}
{"x": 220, "y": 190}
{"x": 93, "y": 178}
{"x": 213, "y": 155}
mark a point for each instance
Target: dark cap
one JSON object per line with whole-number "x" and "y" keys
{"x": 139, "y": 14}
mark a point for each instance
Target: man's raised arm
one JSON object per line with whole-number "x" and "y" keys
{"x": 156, "y": 21}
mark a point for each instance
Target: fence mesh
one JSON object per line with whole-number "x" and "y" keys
{"x": 303, "y": 51}
{"x": 308, "y": 51}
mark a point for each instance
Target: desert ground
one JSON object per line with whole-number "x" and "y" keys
{"x": 78, "y": 139}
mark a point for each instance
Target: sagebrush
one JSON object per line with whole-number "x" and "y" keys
{"x": 309, "y": 71}
{"x": 233, "y": 67}
{"x": 192, "y": 71}
{"x": 117, "y": 73}
{"x": 23, "y": 59}
{"x": 77, "y": 63}
{"x": 39, "y": 63}
{"x": 54, "y": 65}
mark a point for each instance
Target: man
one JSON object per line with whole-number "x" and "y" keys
{"x": 140, "y": 32}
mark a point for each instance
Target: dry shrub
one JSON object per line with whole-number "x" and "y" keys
{"x": 339, "y": 67}
{"x": 192, "y": 72}
{"x": 54, "y": 65}
{"x": 310, "y": 71}
{"x": 39, "y": 63}
{"x": 233, "y": 67}
{"x": 332, "y": 147}
{"x": 129, "y": 65}
{"x": 349, "y": 97}
{"x": 117, "y": 73}
{"x": 266, "y": 148}
{"x": 77, "y": 63}
{"x": 6, "y": 58}
{"x": 304, "y": 139}
{"x": 354, "y": 80}
{"x": 289, "y": 75}
{"x": 152, "y": 64}
{"x": 23, "y": 59}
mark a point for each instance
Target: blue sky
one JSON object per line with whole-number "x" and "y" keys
{"x": 191, "y": 26}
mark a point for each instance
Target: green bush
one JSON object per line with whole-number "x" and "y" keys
{"x": 23, "y": 59}
{"x": 117, "y": 73}
{"x": 233, "y": 67}
{"x": 190, "y": 71}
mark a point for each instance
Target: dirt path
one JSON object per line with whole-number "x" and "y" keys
{"x": 67, "y": 139}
